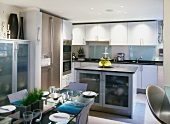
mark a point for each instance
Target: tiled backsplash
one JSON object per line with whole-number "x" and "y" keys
{"x": 146, "y": 52}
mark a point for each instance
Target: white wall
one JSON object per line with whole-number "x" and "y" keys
{"x": 5, "y": 11}
{"x": 166, "y": 42}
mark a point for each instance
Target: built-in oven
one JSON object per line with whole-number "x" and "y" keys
{"x": 67, "y": 56}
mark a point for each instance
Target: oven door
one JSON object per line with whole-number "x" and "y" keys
{"x": 66, "y": 67}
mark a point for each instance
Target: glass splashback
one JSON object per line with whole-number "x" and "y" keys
{"x": 6, "y": 56}
{"x": 97, "y": 51}
{"x": 22, "y": 67}
{"x": 146, "y": 52}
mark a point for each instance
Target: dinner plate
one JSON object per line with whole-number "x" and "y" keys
{"x": 45, "y": 93}
{"x": 89, "y": 93}
{"x": 59, "y": 117}
{"x": 7, "y": 108}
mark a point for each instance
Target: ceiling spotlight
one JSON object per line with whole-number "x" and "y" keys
{"x": 60, "y": 11}
{"x": 121, "y": 6}
{"x": 109, "y": 10}
{"x": 125, "y": 12}
{"x": 92, "y": 8}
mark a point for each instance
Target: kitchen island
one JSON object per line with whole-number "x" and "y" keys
{"x": 116, "y": 87}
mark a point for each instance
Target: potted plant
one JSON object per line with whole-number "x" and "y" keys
{"x": 32, "y": 100}
{"x": 81, "y": 55}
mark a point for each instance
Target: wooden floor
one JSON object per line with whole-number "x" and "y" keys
{"x": 142, "y": 115}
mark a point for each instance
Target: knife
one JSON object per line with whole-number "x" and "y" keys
{"x": 4, "y": 109}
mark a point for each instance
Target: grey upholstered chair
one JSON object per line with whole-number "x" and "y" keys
{"x": 17, "y": 95}
{"x": 77, "y": 86}
{"x": 158, "y": 103}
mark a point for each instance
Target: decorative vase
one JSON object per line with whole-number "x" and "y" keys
{"x": 13, "y": 25}
{"x": 21, "y": 29}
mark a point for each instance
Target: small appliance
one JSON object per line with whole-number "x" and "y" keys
{"x": 120, "y": 56}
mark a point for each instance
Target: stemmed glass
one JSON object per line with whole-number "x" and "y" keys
{"x": 37, "y": 114}
{"x": 28, "y": 116}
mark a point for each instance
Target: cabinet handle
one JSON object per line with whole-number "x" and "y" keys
{"x": 38, "y": 34}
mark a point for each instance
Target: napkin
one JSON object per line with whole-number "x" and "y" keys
{"x": 68, "y": 109}
{"x": 17, "y": 103}
{"x": 75, "y": 104}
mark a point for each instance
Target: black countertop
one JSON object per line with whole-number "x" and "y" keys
{"x": 140, "y": 62}
{"x": 118, "y": 69}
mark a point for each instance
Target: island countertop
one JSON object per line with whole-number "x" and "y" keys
{"x": 118, "y": 69}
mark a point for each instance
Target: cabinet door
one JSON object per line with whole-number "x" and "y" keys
{"x": 76, "y": 65}
{"x": 160, "y": 76}
{"x": 91, "y": 32}
{"x": 22, "y": 67}
{"x": 78, "y": 35}
{"x": 67, "y": 30}
{"x": 149, "y": 33}
{"x": 103, "y": 33}
{"x": 6, "y": 72}
{"x": 92, "y": 78}
{"x": 134, "y": 33}
{"x": 116, "y": 90}
{"x": 139, "y": 75}
{"x": 149, "y": 75}
{"x": 118, "y": 34}
{"x": 63, "y": 84}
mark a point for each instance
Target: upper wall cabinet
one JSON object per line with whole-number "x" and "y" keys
{"x": 67, "y": 30}
{"x": 97, "y": 32}
{"x": 78, "y": 35}
{"x": 142, "y": 33}
{"x": 118, "y": 34}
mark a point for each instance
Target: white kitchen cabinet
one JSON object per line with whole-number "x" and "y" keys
{"x": 149, "y": 75}
{"x": 67, "y": 30}
{"x": 160, "y": 76}
{"x": 78, "y": 35}
{"x": 73, "y": 71}
{"x": 66, "y": 79}
{"x": 142, "y": 33}
{"x": 118, "y": 33}
{"x": 146, "y": 74}
{"x": 97, "y": 32}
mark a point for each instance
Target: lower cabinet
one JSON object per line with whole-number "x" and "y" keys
{"x": 147, "y": 74}
{"x": 66, "y": 79}
{"x": 114, "y": 89}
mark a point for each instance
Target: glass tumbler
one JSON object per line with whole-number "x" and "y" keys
{"x": 28, "y": 116}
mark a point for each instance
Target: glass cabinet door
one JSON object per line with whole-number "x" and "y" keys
{"x": 22, "y": 67}
{"x": 93, "y": 80}
{"x": 6, "y": 57}
{"x": 116, "y": 91}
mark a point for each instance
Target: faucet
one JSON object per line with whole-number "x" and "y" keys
{"x": 137, "y": 59}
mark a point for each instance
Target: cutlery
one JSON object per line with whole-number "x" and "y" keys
{"x": 56, "y": 116}
{"x": 4, "y": 109}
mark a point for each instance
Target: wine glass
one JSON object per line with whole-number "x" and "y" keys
{"x": 28, "y": 116}
{"x": 37, "y": 114}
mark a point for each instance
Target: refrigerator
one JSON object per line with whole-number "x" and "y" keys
{"x": 50, "y": 58}
{"x": 14, "y": 67}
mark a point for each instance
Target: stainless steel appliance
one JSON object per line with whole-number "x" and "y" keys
{"x": 51, "y": 39}
{"x": 67, "y": 56}
{"x": 120, "y": 56}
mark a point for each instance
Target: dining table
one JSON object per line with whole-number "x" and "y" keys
{"x": 69, "y": 102}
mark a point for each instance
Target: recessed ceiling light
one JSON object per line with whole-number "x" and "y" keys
{"x": 109, "y": 10}
{"x": 121, "y": 6}
{"x": 60, "y": 11}
{"x": 92, "y": 8}
{"x": 125, "y": 12}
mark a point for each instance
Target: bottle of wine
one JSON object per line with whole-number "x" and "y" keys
{"x": 8, "y": 32}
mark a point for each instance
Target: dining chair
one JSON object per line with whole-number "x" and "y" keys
{"x": 158, "y": 103}
{"x": 77, "y": 86}
{"x": 82, "y": 117}
{"x": 17, "y": 95}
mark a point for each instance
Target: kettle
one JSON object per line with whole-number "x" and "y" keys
{"x": 120, "y": 56}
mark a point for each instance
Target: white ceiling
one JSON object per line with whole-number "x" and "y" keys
{"x": 80, "y": 10}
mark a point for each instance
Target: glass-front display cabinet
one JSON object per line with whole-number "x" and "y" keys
{"x": 93, "y": 79}
{"x": 14, "y": 67}
{"x": 116, "y": 90}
